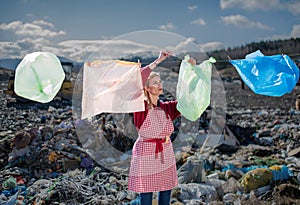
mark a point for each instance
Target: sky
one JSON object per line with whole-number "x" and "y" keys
{"x": 75, "y": 29}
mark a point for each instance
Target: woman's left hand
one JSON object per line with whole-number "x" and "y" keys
{"x": 192, "y": 61}
{"x": 162, "y": 56}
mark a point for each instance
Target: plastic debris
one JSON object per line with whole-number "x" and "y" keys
{"x": 72, "y": 177}
{"x": 194, "y": 88}
{"x": 256, "y": 178}
{"x": 268, "y": 75}
{"x": 39, "y": 77}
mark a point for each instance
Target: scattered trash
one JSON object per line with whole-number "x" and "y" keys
{"x": 255, "y": 159}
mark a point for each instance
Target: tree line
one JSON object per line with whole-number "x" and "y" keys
{"x": 290, "y": 47}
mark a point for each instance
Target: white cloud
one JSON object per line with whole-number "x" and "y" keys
{"x": 20, "y": 48}
{"x": 83, "y": 50}
{"x": 35, "y": 29}
{"x": 296, "y": 31}
{"x": 43, "y": 23}
{"x": 167, "y": 27}
{"x": 185, "y": 43}
{"x": 78, "y": 50}
{"x": 192, "y": 8}
{"x": 9, "y": 50}
{"x": 199, "y": 21}
{"x": 11, "y": 26}
{"x": 211, "y": 46}
{"x": 250, "y": 5}
{"x": 185, "y": 47}
{"x": 243, "y": 22}
{"x": 294, "y": 7}
{"x": 101, "y": 49}
{"x": 34, "y": 36}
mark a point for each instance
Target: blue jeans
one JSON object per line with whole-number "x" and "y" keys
{"x": 163, "y": 198}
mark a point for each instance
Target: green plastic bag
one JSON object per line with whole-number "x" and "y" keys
{"x": 39, "y": 77}
{"x": 194, "y": 88}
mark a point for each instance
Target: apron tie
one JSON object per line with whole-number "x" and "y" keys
{"x": 158, "y": 146}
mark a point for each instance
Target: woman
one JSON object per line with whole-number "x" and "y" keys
{"x": 153, "y": 165}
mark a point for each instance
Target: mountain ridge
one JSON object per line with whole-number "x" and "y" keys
{"x": 290, "y": 47}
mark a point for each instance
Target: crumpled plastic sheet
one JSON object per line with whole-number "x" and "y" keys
{"x": 273, "y": 75}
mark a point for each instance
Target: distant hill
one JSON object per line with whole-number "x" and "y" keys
{"x": 290, "y": 47}
{"x": 12, "y": 64}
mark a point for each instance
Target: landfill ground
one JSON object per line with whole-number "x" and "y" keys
{"x": 42, "y": 161}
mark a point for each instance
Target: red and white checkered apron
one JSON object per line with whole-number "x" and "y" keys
{"x": 153, "y": 165}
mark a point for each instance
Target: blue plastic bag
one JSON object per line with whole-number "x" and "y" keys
{"x": 268, "y": 75}
{"x": 282, "y": 174}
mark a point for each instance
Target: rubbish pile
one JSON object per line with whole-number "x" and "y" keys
{"x": 42, "y": 160}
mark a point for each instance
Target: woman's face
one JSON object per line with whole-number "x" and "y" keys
{"x": 155, "y": 86}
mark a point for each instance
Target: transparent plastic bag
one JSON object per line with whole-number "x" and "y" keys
{"x": 194, "y": 88}
{"x": 111, "y": 86}
{"x": 39, "y": 77}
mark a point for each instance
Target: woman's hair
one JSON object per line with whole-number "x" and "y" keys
{"x": 152, "y": 75}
